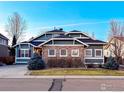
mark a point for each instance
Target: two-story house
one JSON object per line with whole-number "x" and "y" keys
{"x": 61, "y": 44}
{"x": 3, "y": 46}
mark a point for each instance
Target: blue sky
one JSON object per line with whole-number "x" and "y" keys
{"x": 85, "y": 16}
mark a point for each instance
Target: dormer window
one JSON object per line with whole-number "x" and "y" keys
{"x": 55, "y": 35}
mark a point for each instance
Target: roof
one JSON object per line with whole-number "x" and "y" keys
{"x": 57, "y": 30}
{"x": 120, "y": 38}
{"x": 92, "y": 41}
{"x": 36, "y": 43}
{"x": 2, "y": 36}
{"x": 75, "y": 31}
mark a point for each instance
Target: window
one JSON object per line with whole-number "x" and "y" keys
{"x": 75, "y": 53}
{"x": 51, "y": 53}
{"x": 88, "y": 53}
{"x": 1, "y": 40}
{"x": 24, "y": 53}
{"x": 63, "y": 53}
{"x": 98, "y": 52}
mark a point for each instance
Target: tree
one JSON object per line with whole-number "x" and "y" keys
{"x": 116, "y": 29}
{"x": 15, "y": 29}
{"x": 115, "y": 34}
{"x": 16, "y": 26}
{"x": 36, "y": 62}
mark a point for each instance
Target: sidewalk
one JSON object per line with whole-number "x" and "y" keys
{"x": 66, "y": 77}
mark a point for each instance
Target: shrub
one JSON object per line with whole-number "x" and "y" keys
{"x": 36, "y": 62}
{"x": 9, "y": 60}
{"x": 64, "y": 62}
{"x": 111, "y": 64}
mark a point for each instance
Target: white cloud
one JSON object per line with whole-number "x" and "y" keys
{"x": 2, "y": 30}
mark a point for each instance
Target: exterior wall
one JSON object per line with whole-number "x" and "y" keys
{"x": 93, "y": 59}
{"x": 23, "y": 59}
{"x": 69, "y": 48}
{"x": 4, "y": 50}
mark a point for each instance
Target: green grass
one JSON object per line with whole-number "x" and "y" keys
{"x": 91, "y": 72}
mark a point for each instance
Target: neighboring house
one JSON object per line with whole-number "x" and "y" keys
{"x": 108, "y": 50}
{"x": 3, "y": 46}
{"x": 60, "y": 44}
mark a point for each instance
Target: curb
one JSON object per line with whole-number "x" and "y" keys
{"x": 67, "y": 77}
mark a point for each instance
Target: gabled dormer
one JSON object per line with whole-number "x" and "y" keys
{"x": 77, "y": 34}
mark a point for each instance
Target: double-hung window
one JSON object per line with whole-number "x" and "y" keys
{"x": 98, "y": 52}
{"x": 24, "y": 53}
{"x": 88, "y": 52}
{"x": 51, "y": 52}
{"x": 63, "y": 53}
{"x": 75, "y": 53}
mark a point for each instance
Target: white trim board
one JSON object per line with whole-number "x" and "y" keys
{"x": 63, "y": 39}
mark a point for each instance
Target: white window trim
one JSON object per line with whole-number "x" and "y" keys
{"x": 63, "y": 55}
{"x": 88, "y": 55}
{"x": 24, "y": 53}
{"x": 101, "y": 53}
{"x": 74, "y": 55}
{"x": 51, "y": 55}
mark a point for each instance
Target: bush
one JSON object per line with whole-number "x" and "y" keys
{"x": 36, "y": 63}
{"x": 64, "y": 62}
{"x": 111, "y": 64}
{"x": 9, "y": 60}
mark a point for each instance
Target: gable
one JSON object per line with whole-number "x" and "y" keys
{"x": 65, "y": 41}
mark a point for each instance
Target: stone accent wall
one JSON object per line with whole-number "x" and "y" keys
{"x": 69, "y": 48}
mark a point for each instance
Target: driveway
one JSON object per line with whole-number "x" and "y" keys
{"x": 13, "y": 71}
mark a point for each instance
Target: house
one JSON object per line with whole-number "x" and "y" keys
{"x": 117, "y": 42}
{"x": 60, "y": 44}
{"x": 3, "y": 46}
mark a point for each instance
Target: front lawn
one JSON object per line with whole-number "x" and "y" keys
{"x": 92, "y": 72}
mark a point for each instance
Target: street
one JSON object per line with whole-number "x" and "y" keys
{"x": 93, "y": 85}
{"x": 22, "y": 84}
{"x": 40, "y": 84}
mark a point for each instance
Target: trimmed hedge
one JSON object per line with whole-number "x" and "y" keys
{"x": 64, "y": 62}
{"x": 9, "y": 60}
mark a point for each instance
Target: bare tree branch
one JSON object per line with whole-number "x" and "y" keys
{"x": 16, "y": 26}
